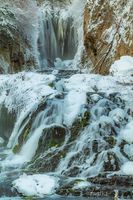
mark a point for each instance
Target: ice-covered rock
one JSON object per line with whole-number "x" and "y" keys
{"x": 124, "y": 66}
{"x": 127, "y": 133}
{"x": 127, "y": 168}
{"x": 35, "y": 185}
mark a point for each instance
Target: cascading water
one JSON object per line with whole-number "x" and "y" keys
{"x": 57, "y": 38}
{"x": 69, "y": 136}
{"x": 74, "y": 128}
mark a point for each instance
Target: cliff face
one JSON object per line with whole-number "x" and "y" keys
{"x": 108, "y": 32}
{"x": 16, "y": 49}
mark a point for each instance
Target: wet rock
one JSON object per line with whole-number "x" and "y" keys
{"x": 111, "y": 162}
{"x": 50, "y": 149}
{"x": 53, "y": 136}
{"x": 7, "y": 121}
{"x": 99, "y": 187}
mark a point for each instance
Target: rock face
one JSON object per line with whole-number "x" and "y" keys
{"x": 108, "y": 32}
{"x": 16, "y": 50}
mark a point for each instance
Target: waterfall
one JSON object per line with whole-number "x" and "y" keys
{"x": 51, "y": 116}
{"x": 76, "y": 128}
{"x": 47, "y": 118}
{"x": 57, "y": 38}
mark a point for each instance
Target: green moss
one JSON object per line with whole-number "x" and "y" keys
{"x": 54, "y": 142}
{"x": 51, "y": 84}
{"x": 26, "y": 132}
{"x": 85, "y": 119}
{"x": 16, "y": 149}
{"x": 110, "y": 140}
{"x": 28, "y": 198}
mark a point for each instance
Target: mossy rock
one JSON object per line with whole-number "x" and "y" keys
{"x": 16, "y": 149}
{"x": 110, "y": 140}
{"x": 29, "y": 198}
{"x": 53, "y": 136}
{"x": 81, "y": 122}
{"x": 52, "y": 85}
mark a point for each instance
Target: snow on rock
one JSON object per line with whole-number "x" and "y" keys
{"x": 72, "y": 106}
{"x": 122, "y": 66}
{"x": 78, "y": 85}
{"x": 117, "y": 115}
{"x": 80, "y": 82}
{"x": 82, "y": 184}
{"x": 127, "y": 168}
{"x": 35, "y": 185}
{"x": 128, "y": 149}
{"x": 23, "y": 89}
{"x": 127, "y": 133}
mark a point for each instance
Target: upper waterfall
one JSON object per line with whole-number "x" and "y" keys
{"x": 58, "y": 36}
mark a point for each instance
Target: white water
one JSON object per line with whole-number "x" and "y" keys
{"x": 57, "y": 38}
{"x": 105, "y": 114}
{"x": 88, "y": 152}
{"x": 52, "y": 115}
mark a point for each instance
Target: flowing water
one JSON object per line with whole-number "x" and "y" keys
{"x": 51, "y": 138}
{"x": 72, "y": 130}
{"x": 57, "y": 39}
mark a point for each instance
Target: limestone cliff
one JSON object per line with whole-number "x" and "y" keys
{"x": 108, "y": 32}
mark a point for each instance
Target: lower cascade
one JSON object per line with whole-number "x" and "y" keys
{"x": 76, "y": 132}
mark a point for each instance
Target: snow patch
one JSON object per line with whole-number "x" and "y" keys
{"x": 127, "y": 168}
{"x": 82, "y": 184}
{"x": 72, "y": 105}
{"x": 122, "y": 66}
{"x": 36, "y": 185}
{"x": 127, "y": 133}
{"x": 19, "y": 91}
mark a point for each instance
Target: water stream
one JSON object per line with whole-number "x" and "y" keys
{"x": 71, "y": 128}
{"x": 57, "y": 40}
